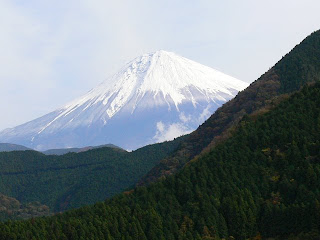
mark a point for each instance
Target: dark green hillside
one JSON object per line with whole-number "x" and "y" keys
{"x": 11, "y": 208}
{"x": 301, "y": 65}
{"x": 76, "y": 179}
{"x": 298, "y": 67}
{"x": 63, "y": 151}
{"x": 264, "y": 181}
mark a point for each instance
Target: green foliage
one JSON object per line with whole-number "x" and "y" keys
{"x": 265, "y": 179}
{"x": 76, "y": 179}
{"x": 11, "y": 208}
{"x": 298, "y": 67}
{"x": 301, "y": 65}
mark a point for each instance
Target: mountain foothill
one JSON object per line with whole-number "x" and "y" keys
{"x": 250, "y": 171}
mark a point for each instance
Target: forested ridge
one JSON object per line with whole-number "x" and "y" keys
{"x": 75, "y": 179}
{"x": 300, "y": 66}
{"x": 263, "y": 181}
{"x": 62, "y": 151}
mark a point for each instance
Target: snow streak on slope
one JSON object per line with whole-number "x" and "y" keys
{"x": 158, "y": 82}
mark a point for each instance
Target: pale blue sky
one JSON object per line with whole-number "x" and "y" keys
{"x": 54, "y": 51}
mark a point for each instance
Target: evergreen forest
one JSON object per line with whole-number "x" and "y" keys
{"x": 251, "y": 171}
{"x": 262, "y": 182}
{"x": 74, "y": 179}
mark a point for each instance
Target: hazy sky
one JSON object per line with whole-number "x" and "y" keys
{"x": 54, "y": 51}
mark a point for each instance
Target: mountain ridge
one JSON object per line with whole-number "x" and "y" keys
{"x": 62, "y": 151}
{"x": 171, "y": 94}
{"x": 261, "y": 183}
{"x": 298, "y": 67}
{"x": 76, "y": 179}
{"x": 8, "y": 147}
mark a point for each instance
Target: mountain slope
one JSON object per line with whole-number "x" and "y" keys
{"x": 296, "y": 68}
{"x": 11, "y": 208}
{"x": 63, "y": 151}
{"x": 76, "y": 179}
{"x": 262, "y": 182}
{"x": 8, "y": 147}
{"x": 153, "y": 98}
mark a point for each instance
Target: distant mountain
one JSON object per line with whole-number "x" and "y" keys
{"x": 76, "y": 150}
{"x": 8, "y": 147}
{"x": 155, "y": 97}
{"x": 300, "y": 66}
{"x": 263, "y": 182}
{"x": 252, "y": 172}
{"x": 76, "y": 179}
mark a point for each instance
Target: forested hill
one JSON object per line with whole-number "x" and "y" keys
{"x": 62, "y": 151}
{"x": 298, "y": 67}
{"x": 264, "y": 181}
{"x": 11, "y": 208}
{"x": 76, "y": 179}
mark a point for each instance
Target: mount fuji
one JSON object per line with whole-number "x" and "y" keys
{"x": 153, "y": 98}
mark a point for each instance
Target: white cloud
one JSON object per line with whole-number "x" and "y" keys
{"x": 54, "y": 51}
{"x": 19, "y": 34}
{"x": 187, "y": 124}
{"x": 25, "y": 64}
{"x": 184, "y": 118}
{"x": 170, "y": 131}
{"x": 160, "y": 127}
{"x": 204, "y": 115}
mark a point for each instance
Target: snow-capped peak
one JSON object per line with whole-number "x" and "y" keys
{"x": 160, "y": 94}
{"x": 163, "y": 74}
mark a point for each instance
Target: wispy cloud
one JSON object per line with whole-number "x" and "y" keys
{"x": 167, "y": 132}
{"x": 185, "y": 125}
{"x": 54, "y": 51}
